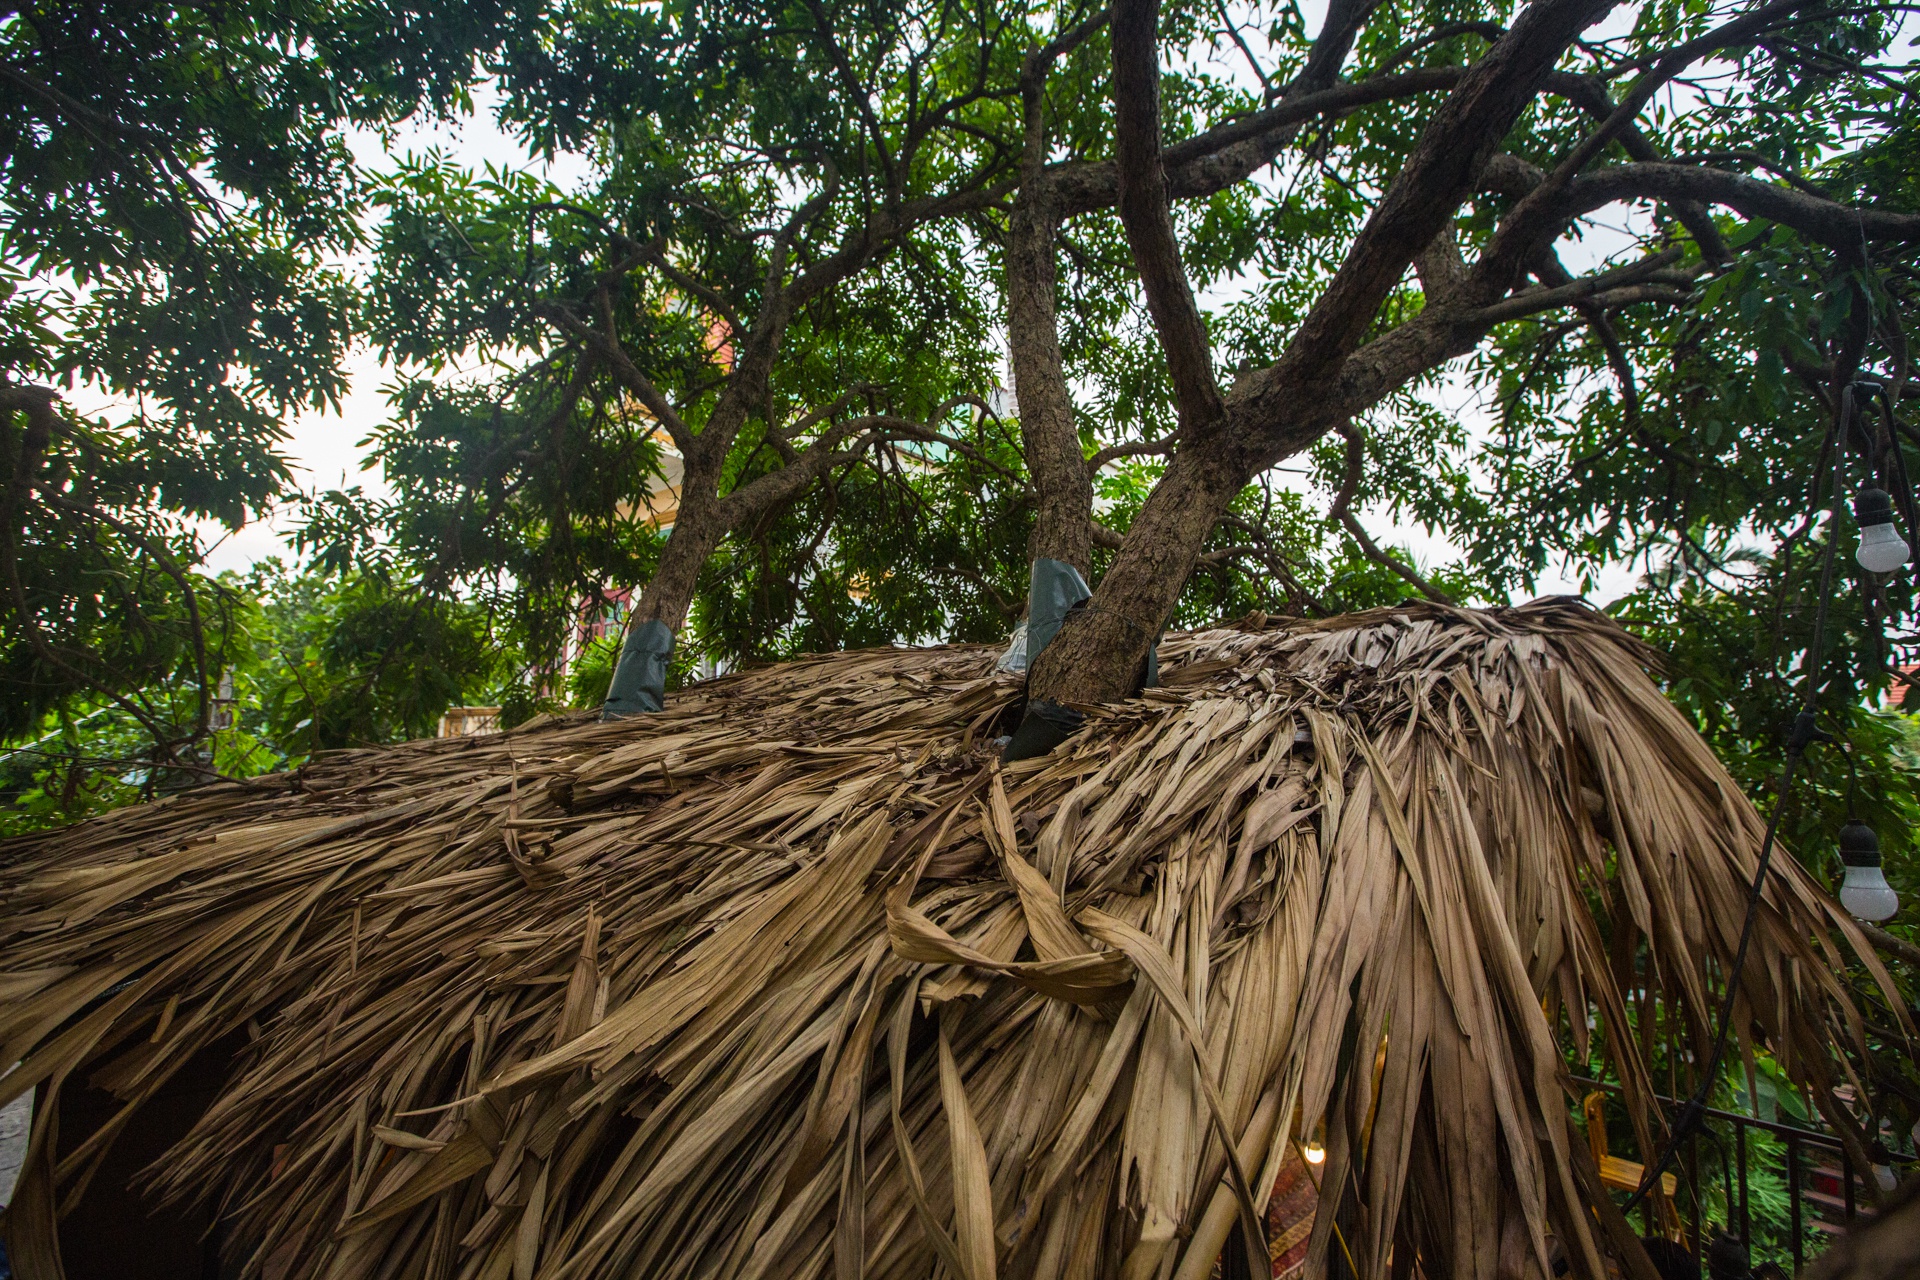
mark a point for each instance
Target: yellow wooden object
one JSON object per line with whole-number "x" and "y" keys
{"x": 1620, "y": 1174}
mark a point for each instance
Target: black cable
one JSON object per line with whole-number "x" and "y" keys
{"x": 1898, "y": 457}
{"x": 1805, "y": 733}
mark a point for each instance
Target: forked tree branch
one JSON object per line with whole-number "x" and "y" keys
{"x": 1447, "y": 165}
{"x": 812, "y": 417}
{"x": 1443, "y": 170}
{"x": 1590, "y": 96}
{"x": 1537, "y": 219}
{"x": 1034, "y": 67}
{"x": 834, "y": 448}
{"x": 851, "y": 85}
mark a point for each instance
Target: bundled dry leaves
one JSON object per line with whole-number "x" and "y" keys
{"x": 793, "y": 980}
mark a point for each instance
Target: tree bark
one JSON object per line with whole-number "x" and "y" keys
{"x": 697, "y": 530}
{"x": 1143, "y": 202}
{"x": 705, "y": 517}
{"x": 640, "y": 677}
{"x": 1062, "y": 480}
{"x": 1062, "y": 477}
{"x": 1098, "y": 655}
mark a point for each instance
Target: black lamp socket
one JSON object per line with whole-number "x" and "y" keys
{"x": 1859, "y": 847}
{"x": 1872, "y": 506}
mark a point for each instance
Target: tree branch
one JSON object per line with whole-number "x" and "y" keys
{"x": 830, "y": 450}
{"x": 706, "y": 293}
{"x": 1142, "y": 202}
{"x": 1488, "y": 31}
{"x": 1009, "y": 608}
{"x": 1038, "y": 62}
{"x": 839, "y": 402}
{"x": 1356, "y": 461}
{"x": 1671, "y": 64}
{"x": 1136, "y": 449}
{"x": 1208, "y": 162}
{"x": 624, "y": 370}
{"x": 1833, "y": 224}
{"x": 850, "y": 82}
{"x": 172, "y": 569}
{"x": 1526, "y": 302}
{"x": 1445, "y": 166}
{"x": 1890, "y": 943}
{"x": 1590, "y": 96}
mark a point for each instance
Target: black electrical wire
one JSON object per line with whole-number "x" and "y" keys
{"x": 1805, "y": 733}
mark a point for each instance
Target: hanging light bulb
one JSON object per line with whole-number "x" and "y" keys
{"x": 1882, "y": 549}
{"x": 1315, "y": 1150}
{"x": 1865, "y": 891}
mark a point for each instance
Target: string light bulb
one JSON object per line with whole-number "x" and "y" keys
{"x": 1882, "y": 549}
{"x": 1864, "y": 891}
{"x": 1315, "y": 1149}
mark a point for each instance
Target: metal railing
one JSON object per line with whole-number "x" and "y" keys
{"x": 1796, "y": 1140}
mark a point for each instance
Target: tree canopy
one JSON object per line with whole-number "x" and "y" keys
{"x": 1567, "y": 289}
{"x": 178, "y": 204}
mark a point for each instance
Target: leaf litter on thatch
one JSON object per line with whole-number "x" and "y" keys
{"x": 795, "y": 980}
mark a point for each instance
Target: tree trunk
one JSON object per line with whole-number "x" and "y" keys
{"x": 1062, "y": 481}
{"x": 697, "y": 530}
{"x": 1099, "y": 653}
{"x": 640, "y": 677}
{"x": 703, "y": 520}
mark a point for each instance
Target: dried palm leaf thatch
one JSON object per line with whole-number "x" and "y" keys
{"x": 793, "y": 980}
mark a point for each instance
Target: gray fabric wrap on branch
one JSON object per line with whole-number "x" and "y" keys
{"x": 1055, "y": 590}
{"x": 640, "y": 681}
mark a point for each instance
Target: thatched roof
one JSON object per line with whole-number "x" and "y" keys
{"x": 794, "y": 980}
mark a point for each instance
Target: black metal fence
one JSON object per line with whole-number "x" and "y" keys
{"x": 1822, "y": 1184}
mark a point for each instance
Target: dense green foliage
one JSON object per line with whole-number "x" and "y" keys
{"x": 306, "y": 662}
{"x": 176, "y": 198}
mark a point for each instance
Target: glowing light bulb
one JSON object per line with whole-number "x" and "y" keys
{"x": 1882, "y": 549}
{"x": 1315, "y": 1147}
{"x": 1864, "y": 890}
